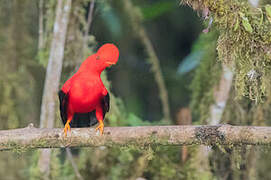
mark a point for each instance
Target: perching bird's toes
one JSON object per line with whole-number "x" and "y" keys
{"x": 67, "y": 128}
{"x": 100, "y": 127}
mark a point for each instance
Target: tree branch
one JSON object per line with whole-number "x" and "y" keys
{"x": 30, "y": 137}
{"x": 90, "y": 17}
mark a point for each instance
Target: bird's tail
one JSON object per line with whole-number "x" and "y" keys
{"x": 84, "y": 120}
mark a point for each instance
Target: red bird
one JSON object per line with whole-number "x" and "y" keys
{"x": 84, "y": 100}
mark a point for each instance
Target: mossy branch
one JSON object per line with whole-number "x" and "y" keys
{"x": 244, "y": 42}
{"x": 31, "y": 137}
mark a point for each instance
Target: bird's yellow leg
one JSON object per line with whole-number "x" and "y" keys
{"x": 67, "y": 127}
{"x": 100, "y": 127}
{"x": 99, "y": 116}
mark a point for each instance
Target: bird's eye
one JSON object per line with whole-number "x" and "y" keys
{"x": 97, "y": 57}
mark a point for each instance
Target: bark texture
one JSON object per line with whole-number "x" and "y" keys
{"x": 55, "y": 64}
{"x": 89, "y": 21}
{"x": 31, "y": 137}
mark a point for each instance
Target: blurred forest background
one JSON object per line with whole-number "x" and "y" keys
{"x": 195, "y": 62}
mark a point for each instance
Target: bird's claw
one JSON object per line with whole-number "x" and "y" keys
{"x": 100, "y": 127}
{"x": 67, "y": 128}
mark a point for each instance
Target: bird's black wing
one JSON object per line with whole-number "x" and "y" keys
{"x": 106, "y": 104}
{"x": 63, "y": 102}
{"x": 84, "y": 119}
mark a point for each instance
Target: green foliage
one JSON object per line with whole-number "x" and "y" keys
{"x": 133, "y": 120}
{"x": 7, "y": 106}
{"x": 157, "y": 9}
{"x": 117, "y": 115}
{"x": 159, "y": 162}
{"x": 16, "y": 81}
{"x": 264, "y": 163}
{"x": 33, "y": 171}
{"x": 55, "y": 165}
{"x": 59, "y": 169}
{"x": 164, "y": 163}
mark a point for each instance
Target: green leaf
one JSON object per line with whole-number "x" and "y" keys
{"x": 268, "y": 12}
{"x": 236, "y": 25}
{"x": 261, "y": 21}
{"x": 245, "y": 23}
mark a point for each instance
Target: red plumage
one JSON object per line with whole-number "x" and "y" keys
{"x": 84, "y": 99}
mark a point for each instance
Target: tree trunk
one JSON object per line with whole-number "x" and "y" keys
{"x": 221, "y": 95}
{"x": 52, "y": 78}
{"x": 40, "y": 45}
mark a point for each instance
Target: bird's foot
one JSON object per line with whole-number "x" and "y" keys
{"x": 67, "y": 128}
{"x": 100, "y": 127}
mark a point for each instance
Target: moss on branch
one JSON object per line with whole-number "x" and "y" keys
{"x": 30, "y": 137}
{"x": 244, "y": 43}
